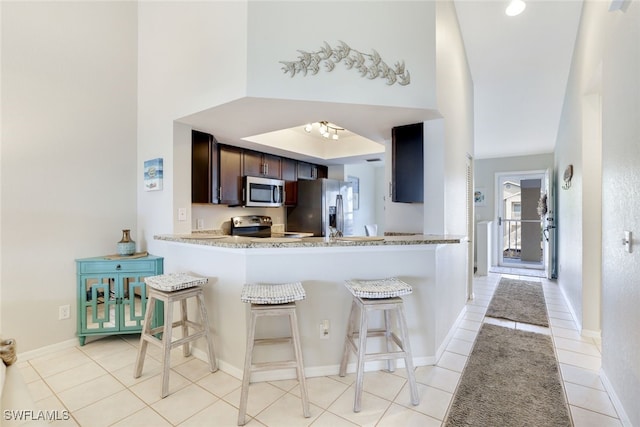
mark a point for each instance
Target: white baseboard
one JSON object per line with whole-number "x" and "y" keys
{"x": 591, "y": 334}
{"x": 617, "y": 404}
{"x": 567, "y": 302}
{"x": 587, "y": 333}
{"x": 445, "y": 343}
{"x": 316, "y": 371}
{"x": 43, "y": 351}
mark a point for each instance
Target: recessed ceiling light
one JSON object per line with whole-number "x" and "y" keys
{"x": 516, "y": 7}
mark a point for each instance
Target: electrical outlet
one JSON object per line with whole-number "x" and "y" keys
{"x": 199, "y": 224}
{"x": 64, "y": 312}
{"x": 324, "y": 329}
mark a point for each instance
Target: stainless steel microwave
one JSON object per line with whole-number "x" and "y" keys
{"x": 262, "y": 192}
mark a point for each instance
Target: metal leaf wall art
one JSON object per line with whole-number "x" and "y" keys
{"x": 370, "y": 66}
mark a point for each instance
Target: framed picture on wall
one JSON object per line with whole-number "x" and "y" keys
{"x": 153, "y": 174}
{"x": 355, "y": 185}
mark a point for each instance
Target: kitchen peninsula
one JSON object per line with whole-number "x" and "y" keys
{"x": 322, "y": 265}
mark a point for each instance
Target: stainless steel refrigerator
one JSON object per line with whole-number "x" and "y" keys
{"x": 324, "y": 206}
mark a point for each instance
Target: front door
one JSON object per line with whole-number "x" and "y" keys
{"x": 520, "y": 242}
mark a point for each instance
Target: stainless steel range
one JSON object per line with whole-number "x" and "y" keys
{"x": 251, "y": 226}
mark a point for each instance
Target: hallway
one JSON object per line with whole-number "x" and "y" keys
{"x": 95, "y": 382}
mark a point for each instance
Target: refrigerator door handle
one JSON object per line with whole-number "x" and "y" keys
{"x": 339, "y": 215}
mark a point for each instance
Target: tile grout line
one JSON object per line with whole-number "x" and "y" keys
{"x": 391, "y": 402}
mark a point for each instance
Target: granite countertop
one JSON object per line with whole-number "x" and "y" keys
{"x": 215, "y": 238}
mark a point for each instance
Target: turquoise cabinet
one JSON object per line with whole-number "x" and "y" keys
{"x": 112, "y": 295}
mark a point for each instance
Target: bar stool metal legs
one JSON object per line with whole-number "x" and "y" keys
{"x": 253, "y": 293}
{"x": 162, "y": 336}
{"x": 360, "y": 309}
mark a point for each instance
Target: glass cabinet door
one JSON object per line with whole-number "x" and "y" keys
{"x": 134, "y": 302}
{"x": 99, "y": 303}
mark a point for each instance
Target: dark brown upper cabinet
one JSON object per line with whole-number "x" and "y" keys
{"x": 204, "y": 170}
{"x": 230, "y": 175}
{"x": 407, "y": 163}
{"x": 262, "y": 164}
{"x": 217, "y": 171}
{"x": 311, "y": 171}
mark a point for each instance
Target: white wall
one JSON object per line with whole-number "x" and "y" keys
{"x": 569, "y": 152}
{"x": 455, "y": 103}
{"x": 279, "y": 29}
{"x": 68, "y": 154}
{"x": 579, "y": 144}
{"x": 1, "y": 180}
{"x": 92, "y": 90}
{"x": 621, "y": 203}
{"x": 447, "y": 141}
{"x": 263, "y": 81}
{"x": 607, "y": 41}
{"x": 485, "y": 177}
{"x": 192, "y": 55}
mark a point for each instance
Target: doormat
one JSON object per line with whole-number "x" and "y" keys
{"x": 519, "y": 300}
{"x": 511, "y": 379}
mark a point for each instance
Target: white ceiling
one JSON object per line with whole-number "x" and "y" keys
{"x": 276, "y": 126}
{"x": 519, "y": 67}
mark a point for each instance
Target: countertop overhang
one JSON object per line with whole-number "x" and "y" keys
{"x": 239, "y": 242}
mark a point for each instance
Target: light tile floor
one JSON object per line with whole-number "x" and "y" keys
{"x": 95, "y": 382}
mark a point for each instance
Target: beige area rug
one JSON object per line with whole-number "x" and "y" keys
{"x": 519, "y": 300}
{"x": 511, "y": 379}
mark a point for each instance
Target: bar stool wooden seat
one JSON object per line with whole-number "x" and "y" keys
{"x": 171, "y": 288}
{"x": 369, "y": 296}
{"x": 268, "y": 299}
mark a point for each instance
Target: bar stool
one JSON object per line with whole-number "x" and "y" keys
{"x": 370, "y": 295}
{"x": 170, "y": 288}
{"x": 272, "y": 300}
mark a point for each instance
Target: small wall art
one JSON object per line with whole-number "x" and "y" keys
{"x": 153, "y": 174}
{"x": 480, "y": 197}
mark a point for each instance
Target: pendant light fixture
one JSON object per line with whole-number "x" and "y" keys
{"x": 515, "y": 7}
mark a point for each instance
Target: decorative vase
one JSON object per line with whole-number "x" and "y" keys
{"x": 126, "y": 246}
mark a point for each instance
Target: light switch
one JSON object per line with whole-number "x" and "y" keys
{"x": 182, "y": 214}
{"x": 626, "y": 241}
